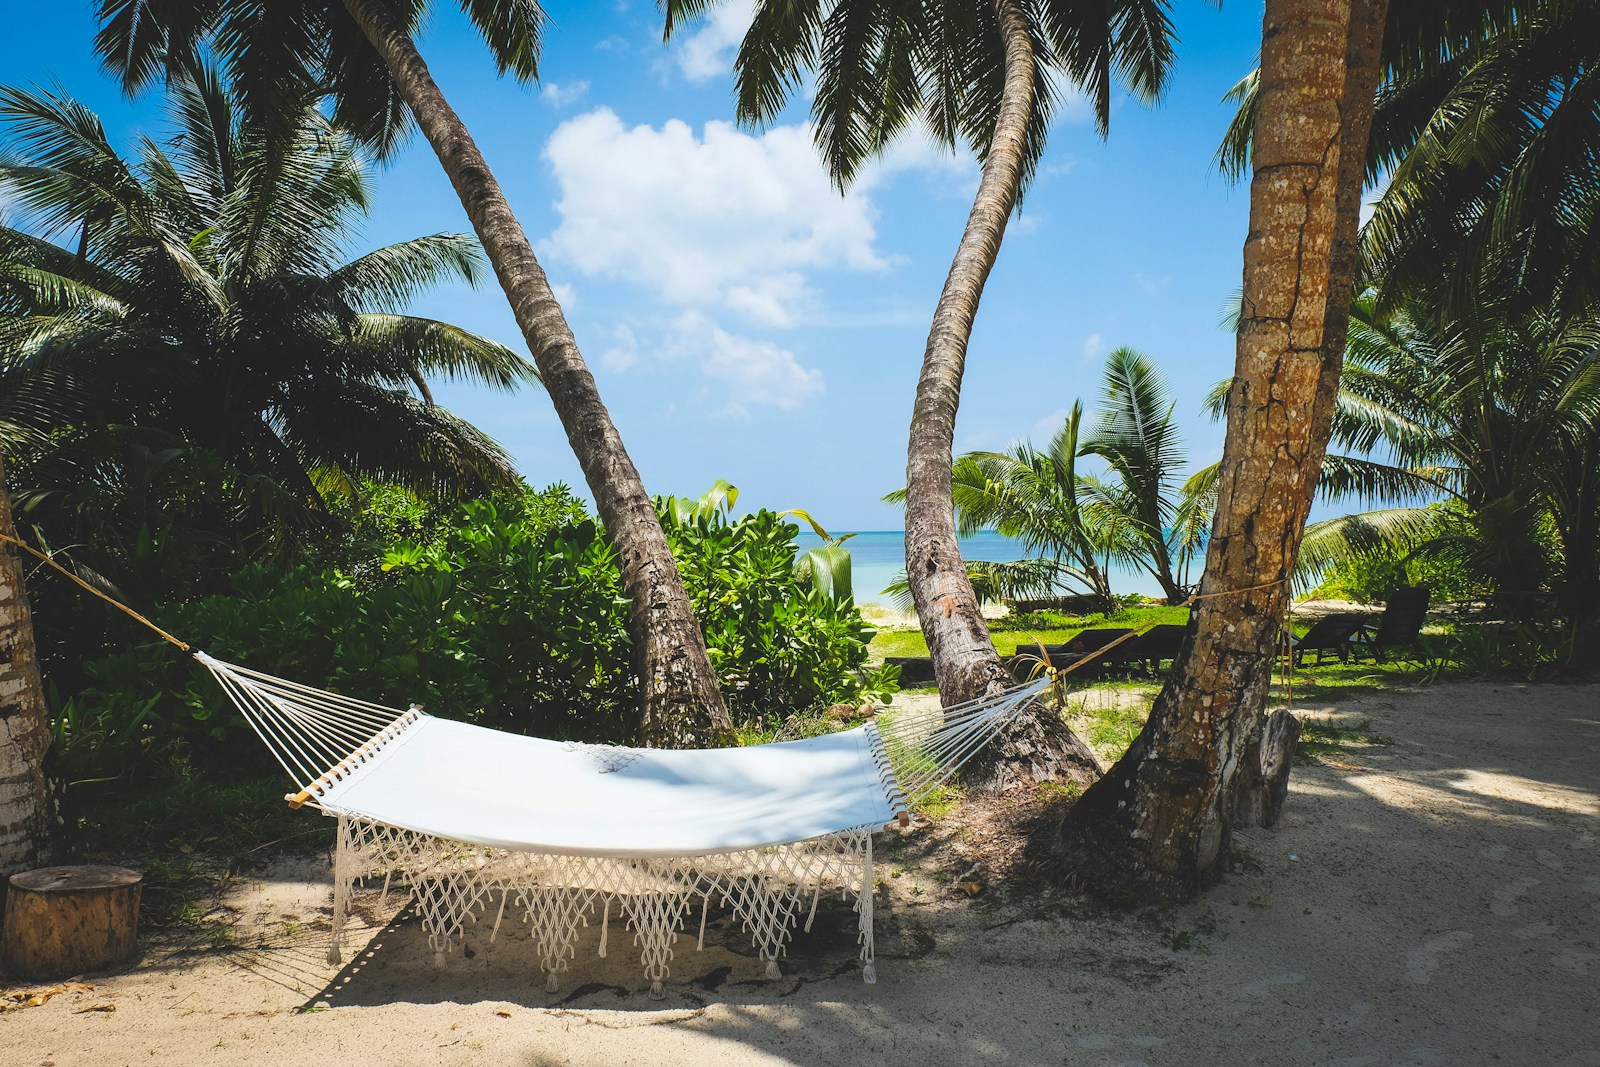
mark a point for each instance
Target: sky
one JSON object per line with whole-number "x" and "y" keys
{"x": 746, "y": 321}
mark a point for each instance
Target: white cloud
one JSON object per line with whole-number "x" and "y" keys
{"x": 566, "y": 295}
{"x": 1152, "y": 286}
{"x": 1093, "y": 345}
{"x": 623, "y": 352}
{"x": 709, "y": 50}
{"x": 723, "y": 219}
{"x": 1044, "y": 430}
{"x": 754, "y": 373}
{"x": 560, "y": 96}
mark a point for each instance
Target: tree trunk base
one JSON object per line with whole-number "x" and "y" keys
{"x": 1036, "y": 747}
{"x": 1263, "y": 781}
{"x": 63, "y": 921}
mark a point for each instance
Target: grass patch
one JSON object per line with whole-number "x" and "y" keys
{"x": 185, "y": 812}
{"x": 1040, "y": 627}
{"x": 1320, "y": 737}
{"x": 1112, "y": 714}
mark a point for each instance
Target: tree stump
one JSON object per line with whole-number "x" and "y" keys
{"x": 62, "y": 921}
{"x": 1263, "y": 777}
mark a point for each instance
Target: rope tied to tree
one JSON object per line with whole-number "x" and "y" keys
{"x": 134, "y": 615}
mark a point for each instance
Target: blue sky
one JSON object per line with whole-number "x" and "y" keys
{"x": 743, "y": 320}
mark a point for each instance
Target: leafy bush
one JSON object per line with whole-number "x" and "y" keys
{"x": 779, "y": 644}
{"x": 1369, "y": 579}
{"x": 509, "y": 615}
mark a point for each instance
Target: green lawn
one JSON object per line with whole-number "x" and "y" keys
{"x": 1047, "y": 628}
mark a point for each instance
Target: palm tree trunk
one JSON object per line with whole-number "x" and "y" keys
{"x": 24, "y": 732}
{"x": 682, "y": 705}
{"x": 1158, "y": 824}
{"x": 965, "y": 662}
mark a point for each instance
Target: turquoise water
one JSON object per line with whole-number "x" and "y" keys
{"x": 877, "y": 558}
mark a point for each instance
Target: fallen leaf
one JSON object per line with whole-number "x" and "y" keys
{"x": 971, "y": 889}
{"x": 503, "y": 1014}
{"x": 96, "y": 1007}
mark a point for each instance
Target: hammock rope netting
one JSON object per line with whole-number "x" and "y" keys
{"x": 468, "y": 819}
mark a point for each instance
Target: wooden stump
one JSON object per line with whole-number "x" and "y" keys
{"x": 62, "y": 921}
{"x": 1263, "y": 777}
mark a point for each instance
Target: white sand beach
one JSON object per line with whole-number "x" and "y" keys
{"x": 1431, "y": 901}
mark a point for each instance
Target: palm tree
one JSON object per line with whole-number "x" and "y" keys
{"x": 1493, "y": 151}
{"x": 24, "y": 731}
{"x": 1159, "y": 823}
{"x": 1138, "y": 437}
{"x": 974, "y": 73}
{"x": 206, "y": 307}
{"x": 1498, "y": 415}
{"x": 1037, "y": 496}
{"x": 360, "y": 55}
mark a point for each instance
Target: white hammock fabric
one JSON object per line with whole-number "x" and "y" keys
{"x": 470, "y": 818}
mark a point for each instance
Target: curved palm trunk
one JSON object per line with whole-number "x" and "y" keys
{"x": 24, "y": 733}
{"x": 1158, "y": 824}
{"x": 965, "y": 662}
{"x": 682, "y": 705}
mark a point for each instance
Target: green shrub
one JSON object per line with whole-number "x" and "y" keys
{"x": 510, "y": 615}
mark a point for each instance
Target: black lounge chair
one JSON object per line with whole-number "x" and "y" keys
{"x": 1400, "y": 625}
{"x": 1159, "y": 644}
{"x": 1331, "y": 633}
{"x": 915, "y": 671}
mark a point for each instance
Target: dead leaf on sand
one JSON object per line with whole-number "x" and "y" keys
{"x": 33, "y": 998}
{"x": 96, "y": 1007}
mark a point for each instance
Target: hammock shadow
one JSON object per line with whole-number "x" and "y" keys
{"x": 397, "y": 965}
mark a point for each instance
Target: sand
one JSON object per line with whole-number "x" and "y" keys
{"x": 1432, "y": 901}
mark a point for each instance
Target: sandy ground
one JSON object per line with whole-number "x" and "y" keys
{"x": 1433, "y": 901}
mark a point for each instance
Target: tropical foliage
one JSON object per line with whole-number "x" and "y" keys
{"x": 1136, "y": 512}
{"x": 508, "y": 612}
{"x": 204, "y": 355}
{"x": 1500, "y": 416}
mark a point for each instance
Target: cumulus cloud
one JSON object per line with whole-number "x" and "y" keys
{"x": 560, "y": 96}
{"x": 723, "y": 219}
{"x": 708, "y": 51}
{"x": 749, "y": 372}
{"x": 623, "y": 352}
{"x": 1044, "y": 430}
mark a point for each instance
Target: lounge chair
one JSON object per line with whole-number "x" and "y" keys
{"x": 1399, "y": 627}
{"x": 1331, "y": 633}
{"x": 915, "y": 671}
{"x": 1159, "y": 644}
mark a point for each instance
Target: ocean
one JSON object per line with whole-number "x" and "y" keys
{"x": 877, "y": 558}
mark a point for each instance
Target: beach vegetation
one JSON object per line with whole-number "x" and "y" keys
{"x": 358, "y": 62}
{"x": 982, "y": 76}
{"x": 1139, "y": 512}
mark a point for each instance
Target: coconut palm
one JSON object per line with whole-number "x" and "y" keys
{"x": 1037, "y": 496}
{"x": 1138, "y": 437}
{"x": 359, "y": 55}
{"x": 1499, "y": 415}
{"x": 207, "y": 304}
{"x": 1493, "y": 153}
{"x": 983, "y": 75}
{"x": 1488, "y": 136}
{"x": 1159, "y": 823}
{"x": 25, "y": 839}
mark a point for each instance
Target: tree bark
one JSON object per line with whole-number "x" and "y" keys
{"x": 62, "y": 921}
{"x": 24, "y": 731}
{"x": 682, "y": 705}
{"x": 1158, "y": 824}
{"x": 965, "y": 662}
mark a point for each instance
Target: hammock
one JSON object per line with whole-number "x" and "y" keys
{"x": 464, "y": 816}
